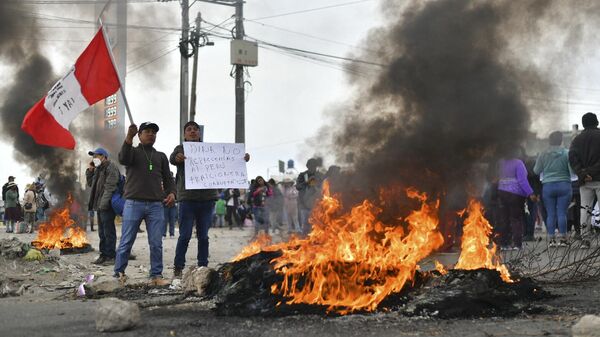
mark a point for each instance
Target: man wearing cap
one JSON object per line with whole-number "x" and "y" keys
{"x": 102, "y": 176}
{"x": 584, "y": 158}
{"x": 148, "y": 181}
{"x": 195, "y": 205}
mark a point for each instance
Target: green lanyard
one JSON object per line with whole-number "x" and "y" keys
{"x": 149, "y": 159}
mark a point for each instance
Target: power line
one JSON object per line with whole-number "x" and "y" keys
{"x": 311, "y": 10}
{"x": 318, "y": 53}
{"x": 307, "y": 35}
{"x": 153, "y": 60}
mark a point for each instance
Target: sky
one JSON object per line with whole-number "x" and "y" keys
{"x": 286, "y": 95}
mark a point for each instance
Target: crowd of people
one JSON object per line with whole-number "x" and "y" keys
{"x": 24, "y": 215}
{"x": 559, "y": 188}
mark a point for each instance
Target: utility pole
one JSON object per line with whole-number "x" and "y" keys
{"x": 240, "y": 134}
{"x": 196, "y": 39}
{"x": 183, "y": 99}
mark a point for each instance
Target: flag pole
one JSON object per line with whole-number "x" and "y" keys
{"x": 112, "y": 59}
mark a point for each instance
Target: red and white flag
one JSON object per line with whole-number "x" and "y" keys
{"x": 92, "y": 78}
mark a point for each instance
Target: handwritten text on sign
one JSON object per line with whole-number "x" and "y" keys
{"x": 214, "y": 165}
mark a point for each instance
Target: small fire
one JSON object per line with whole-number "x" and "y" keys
{"x": 351, "y": 261}
{"x": 476, "y": 250}
{"x": 60, "y": 231}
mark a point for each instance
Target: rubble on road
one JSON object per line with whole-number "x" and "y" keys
{"x": 116, "y": 315}
{"x": 13, "y": 248}
{"x": 587, "y": 326}
{"x": 198, "y": 279}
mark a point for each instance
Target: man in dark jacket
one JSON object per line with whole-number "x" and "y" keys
{"x": 308, "y": 185}
{"x": 194, "y": 205}
{"x": 584, "y": 157}
{"x": 103, "y": 176}
{"x": 232, "y": 202}
{"x": 148, "y": 181}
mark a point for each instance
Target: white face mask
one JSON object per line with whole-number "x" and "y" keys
{"x": 97, "y": 162}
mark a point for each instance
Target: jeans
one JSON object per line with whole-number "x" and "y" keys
{"x": 170, "y": 219}
{"x": 220, "y": 220}
{"x": 512, "y": 213}
{"x": 261, "y": 219}
{"x": 107, "y": 232}
{"x": 201, "y": 212}
{"x": 557, "y": 197}
{"x": 304, "y": 223}
{"x": 133, "y": 213}
{"x": 588, "y": 192}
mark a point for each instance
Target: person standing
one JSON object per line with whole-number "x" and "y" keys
{"x": 12, "y": 212}
{"x": 195, "y": 206}
{"x": 513, "y": 189}
{"x": 290, "y": 205}
{"x": 102, "y": 177}
{"x": 220, "y": 210}
{"x": 170, "y": 220}
{"x": 308, "y": 185}
{"x": 148, "y": 181}
{"x": 275, "y": 206}
{"x": 553, "y": 164}
{"x": 584, "y": 157}
{"x": 232, "y": 202}
{"x": 29, "y": 208}
{"x": 259, "y": 194}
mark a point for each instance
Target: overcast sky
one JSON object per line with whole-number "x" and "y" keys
{"x": 287, "y": 96}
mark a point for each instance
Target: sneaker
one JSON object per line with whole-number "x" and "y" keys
{"x": 158, "y": 282}
{"x": 552, "y": 243}
{"x": 504, "y": 248}
{"x": 585, "y": 244}
{"x": 100, "y": 260}
{"x": 177, "y": 272}
{"x": 563, "y": 243}
{"x": 132, "y": 257}
{"x": 515, "y": 248}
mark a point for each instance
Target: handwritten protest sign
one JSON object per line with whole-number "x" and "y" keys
{"x": 214, "y": 165}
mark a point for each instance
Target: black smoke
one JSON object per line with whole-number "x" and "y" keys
{"x": 451, "y": 96}
{"x": 30, "y": 80}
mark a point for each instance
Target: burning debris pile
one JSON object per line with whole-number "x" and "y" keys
{"x": 351, "y": 262}
{"x": 61, "y": 232}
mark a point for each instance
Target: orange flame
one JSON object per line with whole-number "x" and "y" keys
{"x": 60, "y": 231}
{"x": 476, "y": 250}
{"x": 440, "y": 268}
{"x": 352, "y": 261}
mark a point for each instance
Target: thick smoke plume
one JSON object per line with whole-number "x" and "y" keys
{"x": 451, "y": 96}
{"x": 31, "y": 79}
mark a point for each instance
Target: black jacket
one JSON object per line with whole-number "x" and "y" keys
{"x": 584, "y": 154}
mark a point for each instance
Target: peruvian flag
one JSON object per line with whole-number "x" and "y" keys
{"x": 92, "y": 78}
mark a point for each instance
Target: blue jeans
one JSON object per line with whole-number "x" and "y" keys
{"x": 133, "y": 213}
{"x": 201, "y": 212}
{"x": 107, "y": 232}
{"x": 557, "y": 197}
{"x": 305, "y": 225}
{"x": 261, "y": 219}
{"x": 170, "y": 219}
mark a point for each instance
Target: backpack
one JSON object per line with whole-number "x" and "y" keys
{"x": 116, "y": 200}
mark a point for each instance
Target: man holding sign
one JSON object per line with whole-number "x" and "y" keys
{"x": 201, "y": 168}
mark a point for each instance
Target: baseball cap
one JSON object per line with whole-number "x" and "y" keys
{"x": 99, "y": 151}
{"x": 148, "y": 125}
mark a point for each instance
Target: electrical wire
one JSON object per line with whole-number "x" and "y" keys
{"x": 153, "y": 60}
{"x": 310, "y": 10}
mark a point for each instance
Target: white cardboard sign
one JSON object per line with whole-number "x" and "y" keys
{"x": 214, "y": 165}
